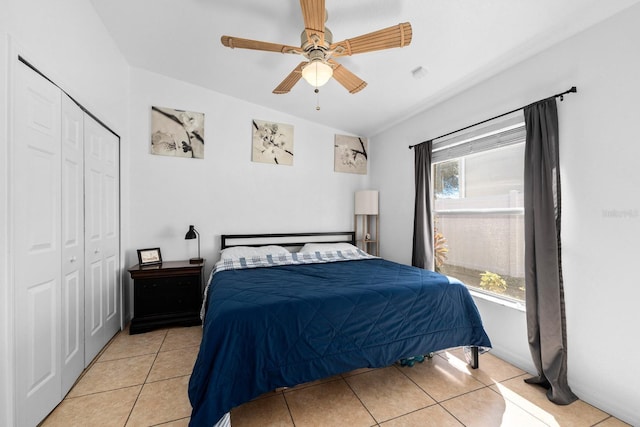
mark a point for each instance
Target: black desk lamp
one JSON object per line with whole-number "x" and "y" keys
{"x": 193, "y": 234}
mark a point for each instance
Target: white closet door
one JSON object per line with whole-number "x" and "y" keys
{"x": 102, "y": 285}
{"x": 111, "y": 242}
{"x": 72, "y": 243}
{"x": 36, "y": 237}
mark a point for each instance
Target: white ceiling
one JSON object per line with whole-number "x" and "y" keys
{"x": 459, "y": 42}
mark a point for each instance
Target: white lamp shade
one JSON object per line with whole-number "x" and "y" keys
{"x": 317, "y": 73}
{"x": 366, "y": 202}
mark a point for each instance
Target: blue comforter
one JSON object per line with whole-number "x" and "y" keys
{"x": 284, "y": 325}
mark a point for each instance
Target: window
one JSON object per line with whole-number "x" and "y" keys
{"x": 479, "y": 208}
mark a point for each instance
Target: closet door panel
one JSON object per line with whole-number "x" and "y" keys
{"x": 40, "y": 200}
{"x": 93, "y": 305}
{"x": 111, "y": 241}
{"x": 94, "y": 302}
{"x": 112, "y": 291}
{"x": 94, "y": 283}
{"x": 41, "y": 320}
{"x": 36, "y": 243}
{"x": 101, "y": 237}
{"x": 72, "y": 328}
{"x": 72, "y": 243}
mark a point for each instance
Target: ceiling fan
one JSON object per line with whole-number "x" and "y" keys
{"x": 318, "y": 48}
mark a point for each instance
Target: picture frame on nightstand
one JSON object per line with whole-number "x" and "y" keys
{"x": 150, "y": 256}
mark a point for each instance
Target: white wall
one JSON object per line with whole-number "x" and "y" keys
{"x": 601, "y": 210}
{"x": 65, "y": 40}
{"x": 226, "y": 192}
{"x": 6, "y": 292}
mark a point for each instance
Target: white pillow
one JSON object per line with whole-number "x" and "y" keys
{"x": 327, "y": 247}
{"x": 250, "y": 251}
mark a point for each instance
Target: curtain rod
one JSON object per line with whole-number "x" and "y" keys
{"x": 561, "y": 95}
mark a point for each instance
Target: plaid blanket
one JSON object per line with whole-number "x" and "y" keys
{"x": 290, "y": 259}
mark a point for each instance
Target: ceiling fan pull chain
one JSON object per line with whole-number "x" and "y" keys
{"x": 317, "y": 91}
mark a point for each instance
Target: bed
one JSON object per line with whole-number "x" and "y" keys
{"x": 285, "y": 309}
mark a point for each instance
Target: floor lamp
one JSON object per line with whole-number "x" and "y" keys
{"x": 366, "y": 206}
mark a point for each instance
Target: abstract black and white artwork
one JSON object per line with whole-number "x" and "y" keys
{"x": 177, "y": 133}
{"x": 350, "y": 154}
{"x": 272, "y": 143}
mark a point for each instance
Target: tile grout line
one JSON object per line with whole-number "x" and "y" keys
{"x": 437, "y": 403}
{"x": 515, "y": 403}
{"x": 527, "y": 411}
{"x": 488, "y": 386}
{"x": 167, "y": 422}
{"x": 447, "y": 411}
{"x": 145, "y": 379}
{"x": 124, "y": 358}
{"x": 361, "y": 402}
{"x": 286, "y": 402}
{"x": 93, "y": 362}
{"x": 607, "y": 418}
{"x": 416, "y": 384}
{"x": 303, "y": 386}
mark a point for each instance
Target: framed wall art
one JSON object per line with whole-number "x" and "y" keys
{"x": 350, "y": 154}
{"x": 177, "y": 133}
{"x": 272, "y": 142}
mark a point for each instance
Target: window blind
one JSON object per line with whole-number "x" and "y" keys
{"x": 502, "y": 132}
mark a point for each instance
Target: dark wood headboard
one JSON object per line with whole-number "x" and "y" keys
{"x": 287, "y": 239}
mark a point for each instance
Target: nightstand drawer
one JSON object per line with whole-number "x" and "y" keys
{"x": 167, "y": 295}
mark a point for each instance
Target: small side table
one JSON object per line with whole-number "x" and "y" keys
{"x": 166, "y": 294}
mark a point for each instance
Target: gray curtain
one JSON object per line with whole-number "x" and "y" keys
{"x": 543, "y": 267}
{"x": 422, "y": 253}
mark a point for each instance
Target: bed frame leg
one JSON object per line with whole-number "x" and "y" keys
{"x": 475, "y": 360}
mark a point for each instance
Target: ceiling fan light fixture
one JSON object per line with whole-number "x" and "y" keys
{"x": 317, "y": 72}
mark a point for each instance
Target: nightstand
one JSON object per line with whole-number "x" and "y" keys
{"x": 166, "y": 294}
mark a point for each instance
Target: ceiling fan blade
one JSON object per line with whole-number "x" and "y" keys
{"x": 313, "y": 13}
{"x": 396, "y": 36}
{"x": 346, "y": 78}
{"x": 290, "y": 80}
{"x": 236, "y": 42}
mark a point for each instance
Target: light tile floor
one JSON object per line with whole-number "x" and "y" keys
{"x": 142, "y": 380}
